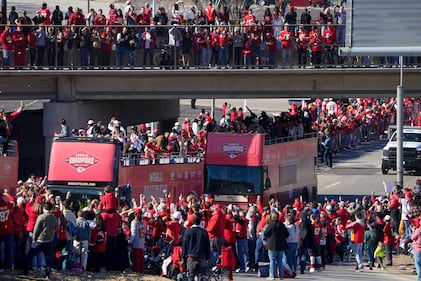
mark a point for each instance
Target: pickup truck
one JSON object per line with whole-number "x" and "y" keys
{"x": 411, "y": 151}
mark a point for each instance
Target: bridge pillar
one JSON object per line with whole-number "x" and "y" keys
{"x": 131, "y": 112}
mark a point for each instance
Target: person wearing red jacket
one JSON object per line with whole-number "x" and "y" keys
{"x": 316, "y": 46}
{"x": 6, "y": 45}
{"x": 358, "y": 227}
{"x": 6, "y": 230}
{"x": 389, "y": 239}
{"x": 19, "y": 45}
{"x": 215, "y": 229}
{"x": 210, "y": 14}
{"x": 77, "y": 18}
{"x": 45, "y": 13}
{"x": 107, "y": 40}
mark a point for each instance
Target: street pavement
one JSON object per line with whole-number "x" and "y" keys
{"x": 344, "y": 272}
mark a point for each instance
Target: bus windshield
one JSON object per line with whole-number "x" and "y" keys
{"x": 228, "y": 180}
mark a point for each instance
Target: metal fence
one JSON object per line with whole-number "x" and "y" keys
{"x": 59, "y": 53}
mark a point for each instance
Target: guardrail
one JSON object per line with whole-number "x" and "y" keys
{"x": 59, "y": 54}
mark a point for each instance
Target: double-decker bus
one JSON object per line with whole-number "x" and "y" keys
{"x": 9, "y": 166}
{"x": 234, "y": 168}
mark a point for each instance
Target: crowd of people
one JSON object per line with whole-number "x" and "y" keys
{"x": 41, "y": 231}
{"x": 199, "y": 39}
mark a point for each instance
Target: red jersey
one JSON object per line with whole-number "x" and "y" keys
{"x": 6, "y": 210}
{"x": 316, "y": 42}
{"x": 223, "y": 38}
{"x": 100, "y": 20}
{"x": 286, "y": 38}
{"x": 108, "y": 202}
{"x": 303, "y": 39}
{"x": 329, "y": 36}
{"x": 229, "y": 230}
{"x": 45, "y": 12}
{"x": 173, "y": 232}
{"x": 19, "y": 40}
{"x": 210, "y": 14}
{"x": 241, "y": 228}
{"x": 317, "y": 229}
{"x": 19, "y": 221}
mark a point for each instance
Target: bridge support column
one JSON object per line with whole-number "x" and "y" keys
{"x": 131, "y": 112}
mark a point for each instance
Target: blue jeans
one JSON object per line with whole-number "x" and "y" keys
{"x": 223, "y": 55}
{"x": 121, "y": 51}
{"x": 243, "y": 252}
{"x": 275, "y": 259}
{"x": 291, "y": 255}
{"x": 36, "y": 248}
{"x": 132, "y": 58}
{"x": 286, "y": 57}
{"x": 6, "y": 57}
{"x": 206, "y": 56}
{"x": 417, "y": 261}
{"x": 358, "y": 251}
{"x": 408, "y": 231}
{"x": 7, "y": 241}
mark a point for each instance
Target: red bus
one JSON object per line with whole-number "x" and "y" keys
{"x": 86, "y": 165}
{"x": 240, "y": 167}
{"x": 235, "y": 168}
{"x": 9, "y": 166}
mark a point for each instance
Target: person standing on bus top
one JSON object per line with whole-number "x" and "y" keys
{"x": 6, "y": 126}
{"x": 65, "y": 130}
{"x": 108, "y": 202}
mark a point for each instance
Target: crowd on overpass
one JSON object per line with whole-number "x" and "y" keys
{"x": 133, "y": 38}
{"x": 115, "y": 233}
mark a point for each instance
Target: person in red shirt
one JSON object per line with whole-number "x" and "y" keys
{"x": 223, "y": 37}
{"x": 6, "y": 126}
{"x": 215, "y": 229}
{"x": 112, "y": 223}
{"x": 6, "y": 230}
{"x": 242, "y": 243}
{"x": 329, "y": 37}
{"x": 210, "y": 14}
{"x": 389, "y": 239}
{"x": 107, "y": 40}
{"x": 302, "y": 46}
{"x": 45, "y": 13}
{"x": 287, "y": 38}
{"x": 6, "y": 45}
{"x": 272, "y": 47}
{"x": 249, "y": 20}
{"x": 316, "y": 45}
{"x": 267, "y": 21}
{"x": 100, "y": 21}
{"x": 315, "y": 256}
{"x": 108, "y": 202}
{"x": 19, "y": 45}
{"x": 77, "y": 18}
{"x": 358, "y": 227}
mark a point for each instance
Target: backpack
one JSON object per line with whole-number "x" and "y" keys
{"x": 71, "y": 228}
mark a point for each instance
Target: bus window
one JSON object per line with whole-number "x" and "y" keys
{"x": 233, "y": 180}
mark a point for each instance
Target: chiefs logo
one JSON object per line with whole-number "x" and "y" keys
{"x": 82, "y": 161}
{"x": 233, "y": 149}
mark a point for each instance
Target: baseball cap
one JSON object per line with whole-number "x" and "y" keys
{"x": 90, "y": 122}
{"x": 387, "y": 217}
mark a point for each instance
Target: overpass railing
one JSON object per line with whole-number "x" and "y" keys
{"x": 108, "y": 47}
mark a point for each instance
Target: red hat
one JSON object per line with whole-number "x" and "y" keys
{"x": 138, "y": 211}
{"x": 38, "y": 199}
{"x": 292, "y": 8}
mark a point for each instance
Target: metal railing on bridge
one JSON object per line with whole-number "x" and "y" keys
{"x": 101, "y": 48}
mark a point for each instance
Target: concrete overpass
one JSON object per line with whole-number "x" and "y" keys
{"x": 95, "y": 85}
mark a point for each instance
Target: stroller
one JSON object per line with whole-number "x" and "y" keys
{"x": 154, "y": 257}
